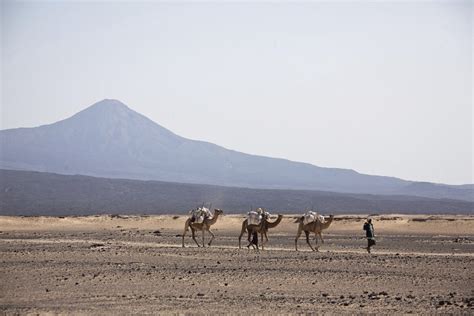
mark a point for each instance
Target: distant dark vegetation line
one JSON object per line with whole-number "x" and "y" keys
{"x": 37, "y": 193}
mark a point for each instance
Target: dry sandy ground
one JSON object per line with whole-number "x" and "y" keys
{"x": 118, "y": 265}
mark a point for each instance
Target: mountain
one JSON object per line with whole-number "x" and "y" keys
{"x": 108, "y": 139}
{"x": 40, "y": 193}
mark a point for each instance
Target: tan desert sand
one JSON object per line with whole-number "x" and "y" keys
{"x": 111, "y": 264}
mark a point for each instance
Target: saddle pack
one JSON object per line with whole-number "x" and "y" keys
{"x": 311, "y": 216}
{"x": 200, "y": 214}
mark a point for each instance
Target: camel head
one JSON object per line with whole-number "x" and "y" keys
{"x": 328, "y": 222}
{"x": 218, "y": 211}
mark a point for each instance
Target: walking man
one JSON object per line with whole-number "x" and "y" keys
{"x": 369, "y": 233}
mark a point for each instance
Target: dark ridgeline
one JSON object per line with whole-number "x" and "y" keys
{"x": 110, "y": 140}
{"x": 35, "y": 193}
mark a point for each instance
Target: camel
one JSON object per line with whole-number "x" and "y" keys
{"x": 204, "y": 226}
{"x": 262, "y": 228}
{"x": 315, "y": 227}
{"x": 250, "y": 235}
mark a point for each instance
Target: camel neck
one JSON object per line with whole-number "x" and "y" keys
{"x": 327, "y": 223}
{"x": 275, "y": 223}
{"x": 214, "y": 218}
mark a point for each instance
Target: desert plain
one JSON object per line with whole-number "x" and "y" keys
{"x": 118, "y": 264}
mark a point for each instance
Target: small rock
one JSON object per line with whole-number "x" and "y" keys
{"x": 96, "y": 246}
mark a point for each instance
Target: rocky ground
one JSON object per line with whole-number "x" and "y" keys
{"x": 125, "y": 266}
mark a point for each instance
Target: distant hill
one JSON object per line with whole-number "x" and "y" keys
{"x": 108, "y": 139}
{"x": 36, "y": 193}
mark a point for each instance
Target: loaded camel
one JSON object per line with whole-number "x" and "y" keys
{"x": 204, "y": 226}
{"x": 315, "y": 227}
{"x": 261, "y": 229}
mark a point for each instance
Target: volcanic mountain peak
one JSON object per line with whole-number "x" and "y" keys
{"x": 108, "y": 109}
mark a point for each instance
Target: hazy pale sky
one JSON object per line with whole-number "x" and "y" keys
{"x": 382, "y": 88}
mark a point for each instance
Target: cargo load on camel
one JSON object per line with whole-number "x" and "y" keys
{"x": 200, "y": 214}
{"x": 255, "y": 217}
{"x": 311, "y": 216}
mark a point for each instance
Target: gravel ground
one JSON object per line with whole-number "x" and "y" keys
{"x": 123, "y": 271}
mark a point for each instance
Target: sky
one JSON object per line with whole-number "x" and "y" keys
{"x": 383, "y": 88}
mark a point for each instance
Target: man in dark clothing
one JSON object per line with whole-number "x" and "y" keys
{"x": 369, "y": 233}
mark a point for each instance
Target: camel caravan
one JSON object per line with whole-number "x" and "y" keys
{"x": 257, "y": 223}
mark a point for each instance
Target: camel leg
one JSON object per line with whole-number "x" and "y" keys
{"x": 186, "y": 227}
{"x": 321, "y": 237}
{"x": 255, "y": 235}
{"x": 212, "y": 237}
{"x": 316, "y": 240}
{"x": 193, "y": 234}
{"x": 307, "y": 240}
{"x": 298, "y": 234}
{"x": 203, "y": 231}
{"x": 263, "y": 240}
{"x": 242, "y": 232}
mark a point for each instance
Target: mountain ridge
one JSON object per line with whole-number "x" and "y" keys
{"x": 108, "y": 139}
{"x": 38, "y": 193}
